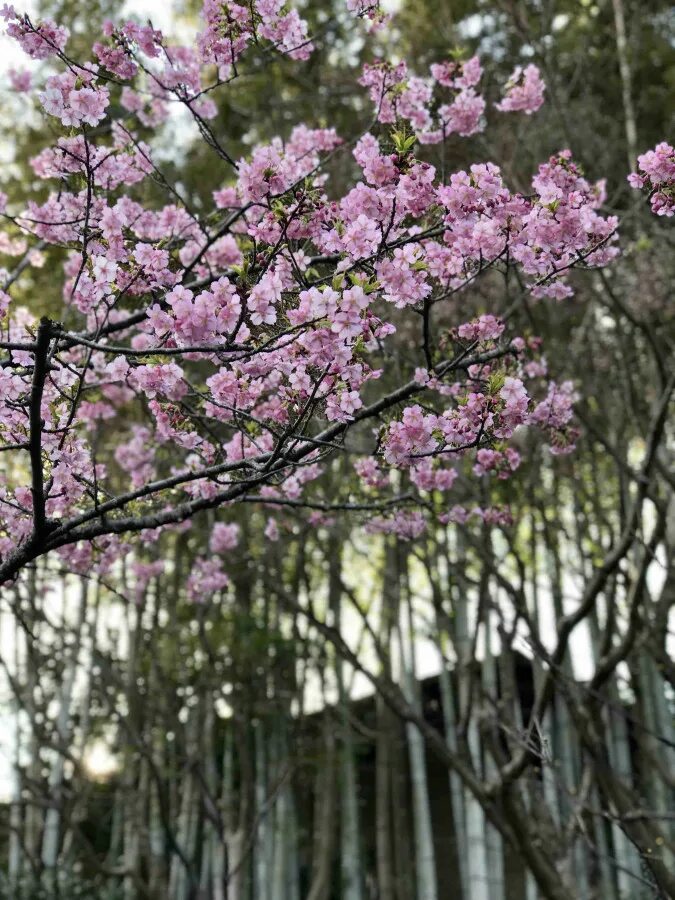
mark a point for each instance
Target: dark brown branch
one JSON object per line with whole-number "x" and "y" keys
{"x": 44, "y": 336}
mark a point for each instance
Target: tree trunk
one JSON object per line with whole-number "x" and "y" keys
{"x": 324, "y": 815}
{"x": 51, "y": 837}
{"x": 425, "y": 865}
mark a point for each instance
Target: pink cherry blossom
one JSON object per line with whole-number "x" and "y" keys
{"x": 209, "y": 352}
{"x": 524, "y": 91}
{"x": 658, "y": 175}
{"x": 224, "y": 537}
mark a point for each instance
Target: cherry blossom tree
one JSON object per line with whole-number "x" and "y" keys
{"x": 205, "y": 358}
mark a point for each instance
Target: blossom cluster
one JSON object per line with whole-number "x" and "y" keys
{"x": 656, "y": 173}
{"x": 75, "y": 105}
{"x": 524, "y": 91}
{"x": 448, "y": 101}
{"x": 39, "y": 42}
{"x": 225, "y": 353}
{"x": 399, "y": 95}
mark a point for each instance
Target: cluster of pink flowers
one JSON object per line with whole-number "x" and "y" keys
{"x": 248, "y": 338}
{"x": 192, "y": 320}
{"x": 224, "y": 537}
{"x": 136, "y": 456}
{"x": 205, "y": 579}
{"x": 477, "y": 416}
{"x": 372, "y": 475}
{"x": 143, "y": 573}
{"x": 38, "y": 41}
{"x": 74, "y": 105}
{"x": 484, "y": 328}
{"x": 656, "y": 173}
{"x": 503, "y": 462}
{"x": 397, "y": 94}
{"x": 524, "y": 91}
{"x": 555, "y": 412}
{"x": 21, "y": 80}
{"x": 126, "y": 163}
{"x": 407, "y": 524}
{"x": 494, "y": 515}
{"x": 230, "y": 27}
{"x": 547, "y": 233}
